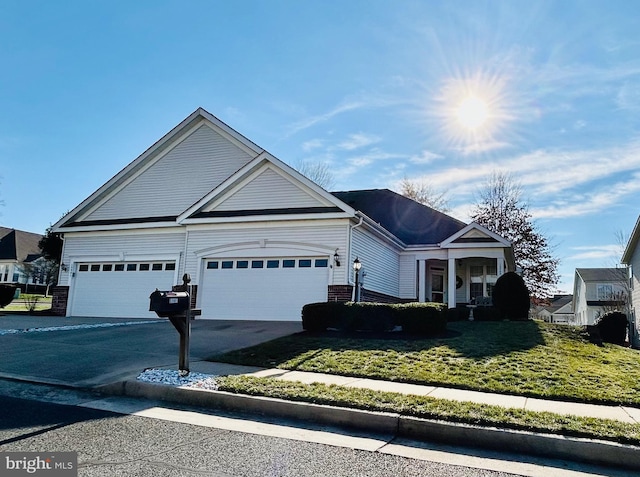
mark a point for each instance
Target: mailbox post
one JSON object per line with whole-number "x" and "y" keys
{"x": 176, "y": 305}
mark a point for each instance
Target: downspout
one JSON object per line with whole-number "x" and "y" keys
{"x": 349, "y": 251}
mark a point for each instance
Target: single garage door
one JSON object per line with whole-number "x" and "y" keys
{"x": 119, "y": 289}
{"x": 262, "y": 288}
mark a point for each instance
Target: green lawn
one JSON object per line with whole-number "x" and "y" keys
{"x": 25, "y": 301}
{"x": 525, "y": 358}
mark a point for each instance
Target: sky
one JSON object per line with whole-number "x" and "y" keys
{"x": 440, "y": 92}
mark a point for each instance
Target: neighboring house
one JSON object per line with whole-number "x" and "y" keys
{"x": 559, "y": 310}
{"x": 258, "y": 239}
{"x": 18, "y": 249}
{"x": 631, "y": 258}
{"x": 597, "y": 291}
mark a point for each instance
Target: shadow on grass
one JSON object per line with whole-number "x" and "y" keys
{"x": 472, "y": 340}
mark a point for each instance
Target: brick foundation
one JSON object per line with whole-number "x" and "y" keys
{"x": 345, "y": 293}
{"x": 59, "y": 300}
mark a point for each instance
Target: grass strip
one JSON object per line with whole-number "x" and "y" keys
{"x": 530, "y": 358}
{"x": 432, "y": 408}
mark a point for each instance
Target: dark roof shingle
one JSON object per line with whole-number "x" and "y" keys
{"x": 410, "y": 221}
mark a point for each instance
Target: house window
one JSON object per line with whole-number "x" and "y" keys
{"x": 605, "y": 292}
{"x": 476, "y": 290}
{"x": 16, "y": 277}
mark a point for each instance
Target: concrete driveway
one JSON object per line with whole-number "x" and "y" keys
{"x": 89, "y": 357}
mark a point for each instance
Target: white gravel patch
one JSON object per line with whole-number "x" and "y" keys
{"x": 170, "y": 377}
{"x": 76, "y": 327}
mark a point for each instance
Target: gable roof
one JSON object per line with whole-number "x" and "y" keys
{"x": 632, "y": 244}
{"x": 408, "y": 220}
{"x": 19, "y": 245}
{"x": 602, "y": 274}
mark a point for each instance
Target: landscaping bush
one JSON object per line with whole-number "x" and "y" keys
{"x": 511, "y": 297}
{"x": 613, "y": 327}
{"x": 419, "y": 318}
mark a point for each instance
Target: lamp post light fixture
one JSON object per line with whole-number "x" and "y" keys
{"x": 356, "y": 270}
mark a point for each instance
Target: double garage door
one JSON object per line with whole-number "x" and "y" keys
{"x": 119, "y": 290}
{"x": 274, "y": 288}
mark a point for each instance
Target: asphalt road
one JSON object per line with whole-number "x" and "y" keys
{"x": 95, "y": 356}
{"x": 111, "y": 444}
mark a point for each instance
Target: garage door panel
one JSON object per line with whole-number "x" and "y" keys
{"x": 262, "y": 290}
{"x": 101, "y": 290}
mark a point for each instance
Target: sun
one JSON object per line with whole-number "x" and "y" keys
{"x": 472, "y": 112}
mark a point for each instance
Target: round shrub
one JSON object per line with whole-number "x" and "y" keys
{"x": 511, "y": 297}
{"x": 613, "y": 327}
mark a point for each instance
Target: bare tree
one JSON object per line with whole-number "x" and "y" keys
{"x": 425, "y": 194}
{"x": 318, "y": 172}
{"x": 501, "y": 209}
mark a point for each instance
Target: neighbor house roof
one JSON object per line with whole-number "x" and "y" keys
{"x": 19, "y": 245}
{"x": 411, "y": 222}
{"x": 602, "y": 274}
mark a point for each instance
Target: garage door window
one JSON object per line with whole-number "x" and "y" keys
{"x": 130, "y": 267}
{"x": 321, "y": 263}
{"x": 257, "y": 264}
{"x": 273, "y": 263}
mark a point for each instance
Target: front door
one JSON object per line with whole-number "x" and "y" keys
{"x": 437, "y": 285}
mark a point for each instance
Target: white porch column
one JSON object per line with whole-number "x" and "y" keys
{"x": 451, "y": 282}
{"x": 422, "y": 280}
{"x": 500, "y": 266}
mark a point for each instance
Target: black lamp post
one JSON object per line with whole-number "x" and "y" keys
{"x": 356, "y": 269}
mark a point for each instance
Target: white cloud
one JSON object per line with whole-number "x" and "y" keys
{"x": 313, "y": 120}
{"x": 357, "y": 141}
{"x": 425, "y": 157}
{"x": 312, "y": 144}
{"x": 610, "y": 251}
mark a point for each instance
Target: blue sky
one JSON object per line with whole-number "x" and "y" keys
{"x": 373, "y": 88}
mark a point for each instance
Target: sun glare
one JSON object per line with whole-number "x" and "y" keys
{"x": 472, "y": 112}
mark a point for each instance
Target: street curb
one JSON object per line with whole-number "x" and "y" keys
{"x": 548, "y": 445}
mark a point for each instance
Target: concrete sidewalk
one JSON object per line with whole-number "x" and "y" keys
{"x": 626, "y": 414}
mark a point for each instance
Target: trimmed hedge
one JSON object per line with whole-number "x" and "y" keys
{"x": 418, "y": 318}
{"x": 480, "y": 313}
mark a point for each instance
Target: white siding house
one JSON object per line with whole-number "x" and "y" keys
{"x": 596, "y": 291}
{"x": 631, "y": 258}
{"x": 258, "y": 239}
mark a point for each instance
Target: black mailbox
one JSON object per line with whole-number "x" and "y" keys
{"x": 169, "y": 303}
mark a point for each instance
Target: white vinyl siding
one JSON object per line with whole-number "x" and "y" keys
{"x": 408, "y": 275}
{"x": 380, "y": 263}
{"x": 269, "y": 190}
{"x": 177, "y": 180}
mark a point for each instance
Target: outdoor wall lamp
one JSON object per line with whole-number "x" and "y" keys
{"x": 336, "y": 258}
{"x": 64, "y": 267}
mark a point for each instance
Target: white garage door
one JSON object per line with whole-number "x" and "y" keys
{"x": 262, "y": 288}
{"x": 119, "y": 289}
